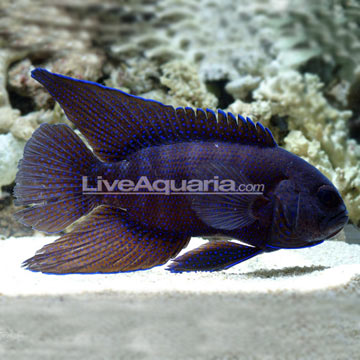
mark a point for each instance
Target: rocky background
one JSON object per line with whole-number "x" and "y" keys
{"x": 291, "y": 64}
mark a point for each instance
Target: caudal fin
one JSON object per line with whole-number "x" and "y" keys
{"x": 50, "y": 179}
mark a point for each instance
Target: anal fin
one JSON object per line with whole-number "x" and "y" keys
{"x": 213, "y": 256}
{"x": 107, "y": 242}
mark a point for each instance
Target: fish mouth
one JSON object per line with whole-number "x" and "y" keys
{"x": 336, "y": 223}
{"x": 339, "y": 219}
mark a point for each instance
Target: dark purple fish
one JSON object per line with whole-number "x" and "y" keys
{"x": 134, "y": 139}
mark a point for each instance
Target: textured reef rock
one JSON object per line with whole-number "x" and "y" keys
{"x": 11, "y": 150}
{"x": 185, "y": 87}
{"x": 296, "y": 73}
{"x": 324, "y": 36}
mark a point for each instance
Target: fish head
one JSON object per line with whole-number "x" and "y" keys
{"x": 307, "y": 209}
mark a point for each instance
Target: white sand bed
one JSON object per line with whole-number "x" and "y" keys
{"x": 290, "y": 304}
{"x": 326, "y": 266}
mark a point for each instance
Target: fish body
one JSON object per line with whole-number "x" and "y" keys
{"x": 178, "y": 161}
{"x": 135, "y": 139}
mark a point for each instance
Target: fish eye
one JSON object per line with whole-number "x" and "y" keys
{"x": 328, "y": 196}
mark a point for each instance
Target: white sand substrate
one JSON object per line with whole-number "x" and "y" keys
{"x": 290, "y": 304}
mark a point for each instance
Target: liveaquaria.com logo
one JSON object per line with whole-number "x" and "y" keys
{"x": 169, "y": 187}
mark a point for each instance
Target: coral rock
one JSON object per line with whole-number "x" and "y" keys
{"x": 11, "y": 151}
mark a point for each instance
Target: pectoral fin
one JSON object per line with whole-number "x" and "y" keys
{"x": 213, "y": 256}
{"x": 225, "y": 210}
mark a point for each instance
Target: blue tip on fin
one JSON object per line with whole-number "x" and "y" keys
{"x": 213, "y": 256}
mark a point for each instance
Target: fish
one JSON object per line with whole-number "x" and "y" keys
{"x": 198, "y": 154}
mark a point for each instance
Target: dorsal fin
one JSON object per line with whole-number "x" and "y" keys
{"x": 116, "y": 123}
